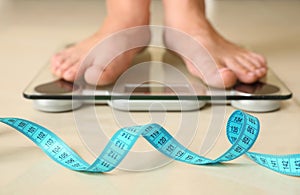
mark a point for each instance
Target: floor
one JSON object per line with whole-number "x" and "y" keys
{"x": 32, "y": 30}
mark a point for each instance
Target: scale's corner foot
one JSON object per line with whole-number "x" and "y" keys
{"x": 49, "y": 105}
{"x": 256, "y": 105}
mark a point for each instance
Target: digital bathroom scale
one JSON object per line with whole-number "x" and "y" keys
{"x": 158, "y": 80}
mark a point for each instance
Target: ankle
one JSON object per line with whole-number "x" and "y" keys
{"x": 129, "y": 12}
{"x": 185, "y": 14}
{"x": 130, "y": 20}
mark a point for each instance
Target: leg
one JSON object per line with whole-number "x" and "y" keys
{"x": 232, "y": 61}
{"x": 120, "y": 15}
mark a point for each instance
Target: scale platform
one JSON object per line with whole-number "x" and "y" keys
{"x": 157, "y": 81}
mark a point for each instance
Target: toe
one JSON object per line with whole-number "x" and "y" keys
{"x": 66, "y": 65}
{"x": 92, "y": 75}
{"x": 228, "y": 77}
{"x": 74, "y": 72}
{"x": 243, "y": 74}
{"x": 254, "y": 60}
{"x": 246, "y": 63}
{"x": 260, "y": 63}
{"x": 262, "y": 60}
{"x": 252, "y": 64}
{"x": 56, "y": 61}
{"x": 70, "y": 74}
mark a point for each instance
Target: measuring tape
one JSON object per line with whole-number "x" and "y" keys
{"x": 242, "y": 130}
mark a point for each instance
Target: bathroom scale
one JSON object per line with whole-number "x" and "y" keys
{"x": 158, "y": 81}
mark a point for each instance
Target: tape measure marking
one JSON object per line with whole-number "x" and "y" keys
{"x": 242, "y": 131}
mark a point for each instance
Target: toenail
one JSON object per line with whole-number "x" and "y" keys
{"x": 258, "y": 72}
{"x": 224, "y": 69}
{"x": 59, "y": 72}
{"x": 55, "y": 68}
{"x": 263, "y": 69}
{"x": 251, "y": 74}
{"x": 68, "y": 73}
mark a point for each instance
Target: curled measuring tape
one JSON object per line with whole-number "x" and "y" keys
{"x": 242, "y": 130}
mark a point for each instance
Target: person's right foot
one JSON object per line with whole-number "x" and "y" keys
{"x": 68, "y": 64}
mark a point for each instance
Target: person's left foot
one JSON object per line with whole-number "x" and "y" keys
{"x": 232, "y": 61}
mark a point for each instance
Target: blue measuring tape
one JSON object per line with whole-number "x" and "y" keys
{"x": 242, "y": 130}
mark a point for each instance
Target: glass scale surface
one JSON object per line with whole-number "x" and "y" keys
{"x": 157, "y": 80}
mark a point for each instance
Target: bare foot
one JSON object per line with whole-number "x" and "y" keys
{"x": 70, "y": 63}
{"x": 233, "y": 62}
